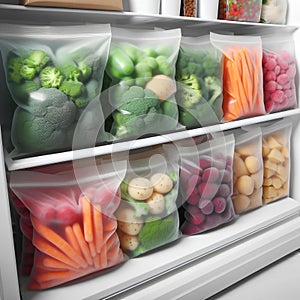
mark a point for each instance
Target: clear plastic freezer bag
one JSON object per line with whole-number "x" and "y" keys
{"x": 279, "y": 72}
{"x": 70, "y": 227}
{"x": 54, "y": 74}
{"x": 199, "y": 82}
{"x": 139, "y": 82}
{"x": 206, "y": 185}
{"x": 247, "y": 170}
{"x": 147, "y": 216}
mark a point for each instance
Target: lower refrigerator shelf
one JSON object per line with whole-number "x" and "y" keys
{"x": 184, "y": 254}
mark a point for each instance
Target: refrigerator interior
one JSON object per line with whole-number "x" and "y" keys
{"x": 192, "y": 266}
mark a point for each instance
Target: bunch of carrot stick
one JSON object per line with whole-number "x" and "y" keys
{"x": 84, "y": 247}
{"x": 242, "y": 83}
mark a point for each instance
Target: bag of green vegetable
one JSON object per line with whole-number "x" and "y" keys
{"x": 140, "y": 82}
{"x": 68, "y": 220}
{"x": 274, "y": 11}
{"x": 199, "y": 79}
{"x": 147, "y": 216}
{"x": 53, "y": 74}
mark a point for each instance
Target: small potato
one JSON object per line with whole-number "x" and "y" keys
{"x": 140, "y": 188}
{"x": 247, "y": 149}
{"x": 128, "y": 242}
{"x": 256, "y": 198}
{"x": 126, "y": 214}
{"x": 239, "y": 167}
{"x": 240, "y": 203}
{"x": 156, "y": 203}
{"x": 253, "y": 164}
{"x": 162, "y": 183}
{"x": 162, "y": 85}
{"x": 258, "y": 179}
{"x": 245, "y": 185}
{"x": 130, "y": 228}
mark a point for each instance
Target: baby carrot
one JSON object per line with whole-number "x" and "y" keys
{"x": 56, "y": 240}
{"x": 82, "y": 243}
{"x": 92, "y": 248}
{"x": 45, "y": 247}
{"x": 110, "y": 225}
{"x": 71, "y": 239}
{"x": 87, "y": 218}
{"x": 53, "y": 263}
{"x": 98, "y": 227}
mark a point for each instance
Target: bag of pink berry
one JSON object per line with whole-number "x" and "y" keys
{"x": 279, "y": 71}
{"x": 206, "y": 184}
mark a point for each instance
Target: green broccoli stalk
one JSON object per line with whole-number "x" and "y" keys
{"x": 157, "y": 232}
{"x": 37, "y": 59}
{"x": 138, "y": 112}
{"x": 51, "y": 77}
{"x": 72, "y": 88}
{"x": 213, "y": 85}
{"x": 13, "y": 67}
{"x": 141, "y": 208}
{"x": 46, "y": 122}
{"x": 71, "y": 72}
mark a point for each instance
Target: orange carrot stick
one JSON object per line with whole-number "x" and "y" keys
{"x": 44, "y": 246}
{"x": 87, "y": 219}
{"x": 98, "y": 227}
{"x": 71, "y": 239}
{"x": 96, "y": 260}
{"x": 92, "y": 248}
{"x": 53, "y": 263}
{"x": 82, "y": 243}
{"x": 56, "y": 240}
{"x": 103, "y": 256}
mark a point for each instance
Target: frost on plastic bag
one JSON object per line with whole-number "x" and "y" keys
{"x": 206, "y": 185}
{"x": 279, "y": 72}
{"x": 53, "y": 74}
{"x": 139, "y": 82}
{"x": 247, "y": 171}
{"x": 199, "y": 79}
{"x": 274, "y": 11}
{"x": 276, "y": 157}
{"x": 71, "y": 228}
{"x": 242, "y": 75}
{"x": 147, "y": 216}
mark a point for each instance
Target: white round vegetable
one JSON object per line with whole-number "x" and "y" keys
{"x": 130, "y": 228}
{"x": 156, "y": 203}
{"x": 140, "y": 188}
{"x": 128, "y": 242}
{"x": 162, "y": 183}
{"x": 163, "y": 86}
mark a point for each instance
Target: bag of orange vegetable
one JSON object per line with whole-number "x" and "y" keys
{"x": 71, "y": 220}
{"x": 242, "y": 75}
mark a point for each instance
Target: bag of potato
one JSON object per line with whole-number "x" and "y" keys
{"x": 206, "y": 185}
{"x": 276, "y": 158}
{"x": 147, "y": 216}
{"x": 247, "y": 170}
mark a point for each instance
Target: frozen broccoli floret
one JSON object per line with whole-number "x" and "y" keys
{"x": 51, "y": 77}
{"x": 13, "y": 68}
{"x": 72, "y": 88}
{"x": 37, "y": 59}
